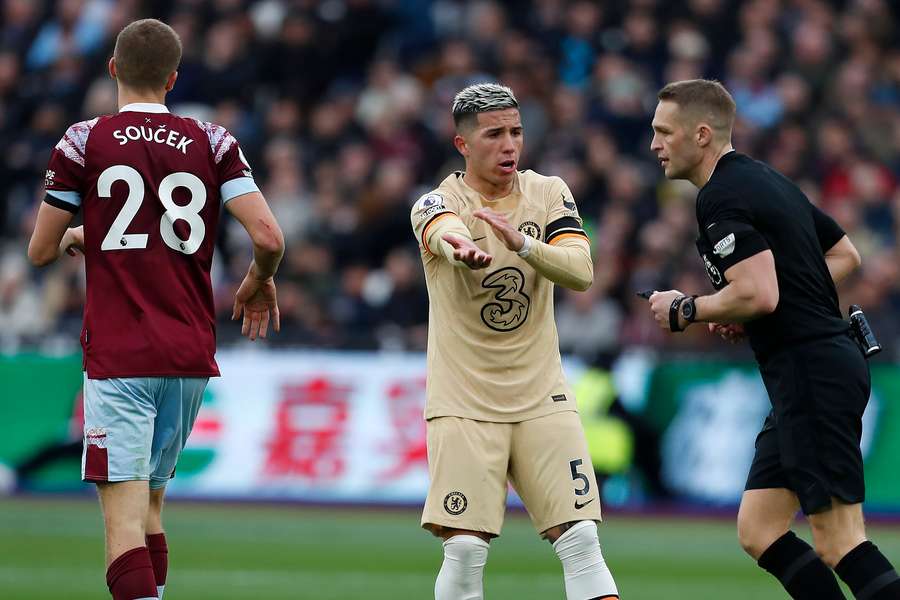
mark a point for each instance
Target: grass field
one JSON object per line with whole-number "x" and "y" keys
{"x": 52, "y": 549}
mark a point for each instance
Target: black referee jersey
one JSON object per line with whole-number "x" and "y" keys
{"x": 747, "y": 207}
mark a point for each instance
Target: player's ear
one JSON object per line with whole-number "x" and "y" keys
{"x": 170, "y": 83}
{"x": 461, "y": 146}
{"x": 703, "y": 135}
{"x": 112, "y": 66}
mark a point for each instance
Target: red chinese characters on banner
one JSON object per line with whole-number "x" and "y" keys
{"x": 407, "y": 448}
{"x": 310, "y": 422}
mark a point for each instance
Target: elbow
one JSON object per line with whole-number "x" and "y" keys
{"x": 767, "y": 301}
{"x": 855, "y": 259}
{"x": 40, "y": 257}
{"x": 269, "y": 240}
{"x": 584, "y": 277}
{"x": 757, "y": 300}
{"x": 583, "y": 284}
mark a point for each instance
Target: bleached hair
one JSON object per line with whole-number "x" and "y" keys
{"x": 482, "y": 97}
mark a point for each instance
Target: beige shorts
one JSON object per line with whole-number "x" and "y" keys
{"x": 545, "y": 459}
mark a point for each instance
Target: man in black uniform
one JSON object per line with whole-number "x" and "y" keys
{"x": 774, "y": 260}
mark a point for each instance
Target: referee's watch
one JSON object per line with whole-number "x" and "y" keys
{"x": 688, "y": 309}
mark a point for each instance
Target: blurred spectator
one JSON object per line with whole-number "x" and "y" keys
{"x": 342, "y": 108}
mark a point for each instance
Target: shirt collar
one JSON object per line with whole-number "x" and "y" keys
{"x": 722, "y": 158}
{"x": 513, "y": 192}
{"x": 144, "y": 107}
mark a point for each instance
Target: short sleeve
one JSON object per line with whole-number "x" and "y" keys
{"x": 728, "y": 226}
{"x": 827, "y": 229}
{"x": 232, "y": 167}
{"x": 563, "y": 219}
{"x": 426, "y": 211}
{"x": 64, "y": 179}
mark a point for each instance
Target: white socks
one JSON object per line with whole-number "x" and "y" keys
{"x": 460, "y": 577}
{"x": 585, "y": 571}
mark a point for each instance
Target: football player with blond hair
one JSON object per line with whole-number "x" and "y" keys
{"x": 494, "y": 241}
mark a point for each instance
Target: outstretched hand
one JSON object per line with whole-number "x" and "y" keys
{"x": 506, "y": 233}
{"x": 465, "y": 251}
{"x": 256, "y": 299}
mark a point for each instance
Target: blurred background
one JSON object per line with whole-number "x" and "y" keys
{"x": 342, "y": 109}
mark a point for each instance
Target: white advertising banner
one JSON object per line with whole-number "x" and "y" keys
{"x": 310, "y": 426}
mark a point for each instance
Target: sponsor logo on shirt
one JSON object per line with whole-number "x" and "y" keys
{"x": 569, "y": 205}
{"x": 428, "y": 212}
{"x": 49, "y": 177}
{"x": 712, "y": 272}
{"x": 429, "y": 201}
{"x": 725, "y": 246}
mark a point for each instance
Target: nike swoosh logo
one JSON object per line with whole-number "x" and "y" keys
{"x": 579, "y": 506}
{"x": 481, "y": 238}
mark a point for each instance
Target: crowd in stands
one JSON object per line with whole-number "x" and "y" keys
{"x": 342, "y": 108}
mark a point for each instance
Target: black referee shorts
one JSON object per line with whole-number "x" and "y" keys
{"x": 810, "y": 441}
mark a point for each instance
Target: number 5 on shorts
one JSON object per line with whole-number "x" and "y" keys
{"x": 576, "y": 476}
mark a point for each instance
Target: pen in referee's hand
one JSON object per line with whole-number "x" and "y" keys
{"x": 645, "y": 294}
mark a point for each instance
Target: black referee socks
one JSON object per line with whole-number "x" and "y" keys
{"x": 796, "y": 565}
{"x": 869, "y": 574}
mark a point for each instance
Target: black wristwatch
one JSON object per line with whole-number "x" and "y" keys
{"x": 684, "y": 306}
{"x": 688, "y": 309}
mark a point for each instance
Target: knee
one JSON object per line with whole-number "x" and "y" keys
{"x": 461, "y": 573}
{"x": 834, "y": 539}
{"x": 831, "y": 547}
{"x": 755, "y": 538}
{"x": 469, "y": 552}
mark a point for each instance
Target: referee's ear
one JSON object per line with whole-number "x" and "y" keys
{"x": 704, "y": 134}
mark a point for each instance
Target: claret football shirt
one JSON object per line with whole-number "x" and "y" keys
{"x": 150, "y": 185}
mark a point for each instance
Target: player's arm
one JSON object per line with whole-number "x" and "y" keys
{"x": 449, "y": 238}
{"x": 565, "y": 261}
{"x": 52, "y": 235}
{"x": 252, "y": 211}
{"x": 443, "y": 234}
{"x": 256, "y": 297}
{"x": 840, "y": 253}
{"x": 842, "y": 259}
{"x": 62, "y": 200}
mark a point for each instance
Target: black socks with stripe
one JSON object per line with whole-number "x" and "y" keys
{"x": 796, "y": 565}
{"x": 869, "y": 574}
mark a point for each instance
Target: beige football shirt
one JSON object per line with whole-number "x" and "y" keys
{"x": 493, "y": 351}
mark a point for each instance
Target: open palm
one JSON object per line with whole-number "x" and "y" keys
{"x": 256, "y": 299}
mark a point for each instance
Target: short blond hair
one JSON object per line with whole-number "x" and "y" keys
{"x": 146, "y": 53}
{"x": 702, "y": 100}
{"x": 480, "y": 98}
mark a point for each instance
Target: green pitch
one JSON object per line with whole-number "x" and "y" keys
{"x": 54, "y": 549}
